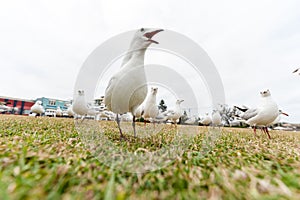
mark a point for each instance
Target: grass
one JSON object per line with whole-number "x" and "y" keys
{"x": 45, "y": 158}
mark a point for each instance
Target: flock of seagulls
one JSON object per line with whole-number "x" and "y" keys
{"x": 127, "y": 97}
{"x": 127, "y": 91}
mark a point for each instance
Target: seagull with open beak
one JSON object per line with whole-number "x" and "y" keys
{"x": 127, "y": 89}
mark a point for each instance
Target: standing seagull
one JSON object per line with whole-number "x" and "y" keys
{"x": 70, "y": 111}
{"x": 175, "y": 114}
{"x": 216, "y": 118}
{"x": 297, "y": 70}
{"x": 37, "y": 108}
{"x": 58, "y": 112}
{"x": 81, "y": 107}
{"x": 151, "y": 109}
{"x": 127, "y": 89}
{"x": 206, "y": 120}
{"x": 263, "y": 115}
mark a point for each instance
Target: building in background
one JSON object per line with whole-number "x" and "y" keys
{"x": 52, "y": 104}
{"x": 23, "y": 105}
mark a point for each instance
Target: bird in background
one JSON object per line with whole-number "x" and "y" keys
{"x": 4, "y": 107}
{"x": 58, "y": 112}
{"x": 127, "y": 89}
{"x": 70, "y": 111}
{"x": 151, "y": 111}
{"x": 191, "y": 120}
{"x": 81, "y": 107}
{"x": 263, "y": 115}
{"x": 174, "y": 114}
{"x": 216, "y": 118}
{"x": 37, "y": 108}
{"x": 206, "y": 120}
{"x": 297, "y": 71}
{"x": 278, "y": 118}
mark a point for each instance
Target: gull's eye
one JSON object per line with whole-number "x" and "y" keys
{"x": 142, "y": 29}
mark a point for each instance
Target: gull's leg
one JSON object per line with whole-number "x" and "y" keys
{"x": 254, "y": 129}
{"x": 267, "y": 131}
{"x": 133, "y": 125}
{"x": 118, "y": 122}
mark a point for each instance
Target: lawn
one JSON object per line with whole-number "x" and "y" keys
{"x": 46, "y": 158}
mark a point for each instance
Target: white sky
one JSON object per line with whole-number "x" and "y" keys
{"x": 255, "y": 45}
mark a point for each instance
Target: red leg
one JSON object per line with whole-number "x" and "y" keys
{"x": 267, "y": 131}
{"x": 254, "y": 129}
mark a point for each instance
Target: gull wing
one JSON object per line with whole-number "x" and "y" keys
{"x": 169, "y": 112}
{"x": 108, "y": 92}
{"x": 250, "y": 113}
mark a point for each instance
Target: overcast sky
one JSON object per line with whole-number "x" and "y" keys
{"x": 255, "y": 45}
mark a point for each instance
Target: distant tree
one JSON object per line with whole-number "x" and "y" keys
{"x": 162, "y": 106}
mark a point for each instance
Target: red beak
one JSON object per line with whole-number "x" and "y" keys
{"x": 149, "y": 35}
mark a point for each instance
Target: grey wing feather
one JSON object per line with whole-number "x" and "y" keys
{"x": 249, "y": 114}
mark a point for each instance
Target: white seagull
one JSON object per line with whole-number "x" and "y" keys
{"x": 127, "y": 89}
{"x": 263, "y": 115}
{"x": 81, "y": 107}
{"x": 58, "y": 112}
{"x": 70, "y": 111}
{"x": 278, "y": 118}
{"x": 176, "y": 113}
{"x": 151, "y": 109}
{"x": 37, "y": 108}
{"x": 4, "y": 107}
{"x": 206, "y": 120}
{"x": 216, "y": 118}
{"x": 191, "y": 121}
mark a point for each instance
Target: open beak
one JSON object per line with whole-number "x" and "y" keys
{"x": 149, "y": 35}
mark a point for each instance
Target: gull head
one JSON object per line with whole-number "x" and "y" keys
{"x": 80, "y": 92}
{"x": 143, "y": 37}
{"x": 154, "y": 90}
{"x": 282, "y": 113}
{"x": 38, "y": 102}
{"x": 265, "y": 93}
